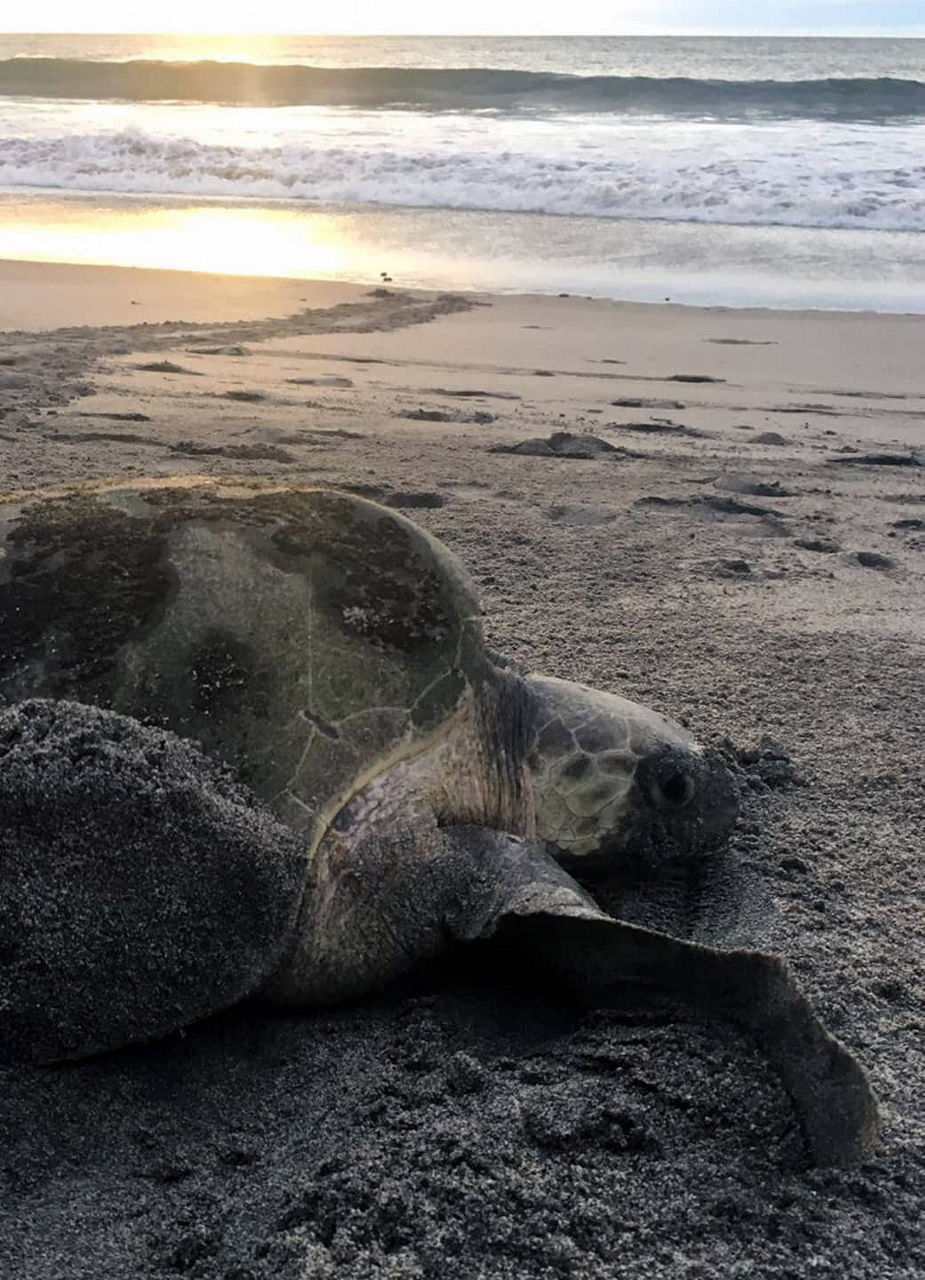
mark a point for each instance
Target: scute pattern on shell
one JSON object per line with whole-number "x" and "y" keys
{"x": 301, "y": 635}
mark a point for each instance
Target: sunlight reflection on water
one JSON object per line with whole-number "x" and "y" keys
{"x": 486, "y": 251}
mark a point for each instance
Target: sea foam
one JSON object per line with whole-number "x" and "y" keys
{"x": 821, "y": 175}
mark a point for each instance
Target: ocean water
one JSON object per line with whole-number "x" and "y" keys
{"x": 737, "y": 170}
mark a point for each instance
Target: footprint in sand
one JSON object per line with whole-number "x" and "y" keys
{"x": 753, "y": 486}
{"x": 309, "y": 437}
{"x": 245, "y": 452}
{"x": 246, "y": 397}
{"x": 646, "y": 402}
{"x": 659, "y": 427}
{"x": 460, "y": 489}
{"x": 114, "y": 417}
{"x": 479, "y": 418}
{"x": 748, "y": 518}
{"x": 916, "y": 458}
{"x": 741, "y": 342}
{"x": 414, "y": 500}
{"x": 466, "y": 394}
{"x": 824, "y": 546}
{"x": 326, "y": 380}
{"x": 873, "y": 560}
{"x": 579, "y": 516}
{"x": 733, "y": 569}
{"x": 90, "y": 437}
{"x": 823, "y": 410}
{"x": 232, "y": 350}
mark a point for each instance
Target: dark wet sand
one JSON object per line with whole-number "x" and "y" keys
{"x": 758, "y": 578}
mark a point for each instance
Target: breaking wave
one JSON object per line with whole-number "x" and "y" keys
{"x": 792, "y": 187}
{"x": 463, "y": 89}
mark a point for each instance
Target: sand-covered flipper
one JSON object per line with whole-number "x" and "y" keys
{"x": 525, "y": 900}
{"x": 142, "y": 886}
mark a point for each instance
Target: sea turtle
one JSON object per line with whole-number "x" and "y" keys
{"x": 371, "y": 784}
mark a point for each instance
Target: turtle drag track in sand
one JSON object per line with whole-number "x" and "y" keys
{"x": 468, "y": 1124}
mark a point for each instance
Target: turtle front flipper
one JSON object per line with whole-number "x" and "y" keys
{"x": 523, "y": 899}
{"x": 141, "y": 887}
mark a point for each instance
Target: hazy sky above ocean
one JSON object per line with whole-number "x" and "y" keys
{"x": 481, "y": 17}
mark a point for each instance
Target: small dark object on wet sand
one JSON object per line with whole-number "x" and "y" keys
{"x": 423, "y": 792}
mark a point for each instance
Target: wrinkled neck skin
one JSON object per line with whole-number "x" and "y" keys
{"x": 382, "y": 880}
{"x": 596, "y": 780}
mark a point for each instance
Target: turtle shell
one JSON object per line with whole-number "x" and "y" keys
{"x": 304, "y": 636}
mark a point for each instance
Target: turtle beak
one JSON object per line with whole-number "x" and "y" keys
{"x": 720, "y": 803}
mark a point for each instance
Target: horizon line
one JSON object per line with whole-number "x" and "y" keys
{"x": 856, "y": 33}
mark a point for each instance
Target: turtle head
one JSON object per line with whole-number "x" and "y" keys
{"x": 614, "y": 781}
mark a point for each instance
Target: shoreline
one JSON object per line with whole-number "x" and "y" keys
{"x": 699, "y": 264}
{"x": 166, "y": 294}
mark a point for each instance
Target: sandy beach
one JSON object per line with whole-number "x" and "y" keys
{"x": 718, "y": 512}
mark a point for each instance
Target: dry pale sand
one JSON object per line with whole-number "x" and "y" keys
{"x": 746, "y": 550}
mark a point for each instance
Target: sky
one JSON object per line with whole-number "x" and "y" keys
{"x": 475, "y": 17}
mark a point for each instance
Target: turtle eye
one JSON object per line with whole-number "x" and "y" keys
{"x": 667, "y": 778}
{"x": 673, "y": 789}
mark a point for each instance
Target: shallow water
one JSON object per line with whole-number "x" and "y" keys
{"x": 741, "y": 170}
{"x": 446, "y": 249}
